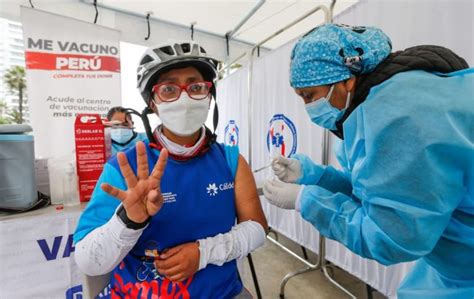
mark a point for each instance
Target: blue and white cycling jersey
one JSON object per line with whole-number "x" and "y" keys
{"x": 198, "y": 203}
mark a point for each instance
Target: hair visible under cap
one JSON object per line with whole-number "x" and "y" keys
{"x": 116, "y": 109}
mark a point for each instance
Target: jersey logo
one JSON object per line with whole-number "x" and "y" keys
{"x": 212, "y": 189}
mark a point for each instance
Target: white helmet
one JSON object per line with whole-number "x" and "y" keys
{"x": 173, "y": 54}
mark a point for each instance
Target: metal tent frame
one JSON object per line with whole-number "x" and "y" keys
{"x": 321, "y": 263}
{"x": 178, "y": 25}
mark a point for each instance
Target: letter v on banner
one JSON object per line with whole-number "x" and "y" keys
{"x": 51, "y": 252}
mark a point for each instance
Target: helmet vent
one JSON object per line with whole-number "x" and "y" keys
{"x": 202, "y": 50}
{"x": 168, "y": 50}
{"x": 186, "y": 48}
{"x": 146, "y": 59}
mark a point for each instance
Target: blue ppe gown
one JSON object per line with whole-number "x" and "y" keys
{"x": 406, "y": 191}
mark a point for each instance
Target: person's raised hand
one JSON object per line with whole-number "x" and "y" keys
{"x": 143, "y": 197}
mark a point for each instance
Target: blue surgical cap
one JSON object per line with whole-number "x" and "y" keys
{"x": 332, "y": 53}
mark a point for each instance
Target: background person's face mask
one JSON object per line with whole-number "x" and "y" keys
{"x": 322, "y": 113}
{"x": 121, "y": 135}
{"x": 184, "y": 116}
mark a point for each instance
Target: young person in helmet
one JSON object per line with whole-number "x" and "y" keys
{"x": 170, "y": 217}
{"x": 122, "y": 134}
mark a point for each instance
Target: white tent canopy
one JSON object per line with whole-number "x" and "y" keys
{"x": 220, "y": 17}
{"x": 172, "y": 19}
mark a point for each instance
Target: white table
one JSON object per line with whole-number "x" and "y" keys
{"x": 36, "y": 254}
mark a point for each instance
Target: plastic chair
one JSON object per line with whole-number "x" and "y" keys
{"x": 93, "y": 285}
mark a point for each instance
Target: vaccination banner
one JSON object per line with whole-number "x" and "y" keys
{"x": 72, "y": 67}
{"x": 37, "y": 255}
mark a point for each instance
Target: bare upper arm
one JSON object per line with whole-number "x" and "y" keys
{"x": 247, "y": 201}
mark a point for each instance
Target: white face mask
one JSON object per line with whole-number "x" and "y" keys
{"x": 184, "y": 116}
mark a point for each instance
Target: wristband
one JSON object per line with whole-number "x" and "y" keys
{"x": 122, "y": 214}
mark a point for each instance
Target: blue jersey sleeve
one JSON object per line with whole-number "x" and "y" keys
{"x": 102, "y": 206}
{"x": 232, "y": 156}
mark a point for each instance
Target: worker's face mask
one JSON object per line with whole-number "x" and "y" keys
{"x": 121, "y": 135}
{"x": 184, "y": 116}
{"x": 322, "y": 113}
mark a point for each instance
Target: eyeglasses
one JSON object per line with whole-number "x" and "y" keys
{"x": 118, "y": 124}
{"x": 169, "y": 92}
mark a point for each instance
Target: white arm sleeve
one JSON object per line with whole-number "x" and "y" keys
{"x": 244, "y": 238}
{"x": 100, "y": 251}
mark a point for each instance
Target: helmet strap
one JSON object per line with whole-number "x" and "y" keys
{"x": 215, "y": 118}
{"x": 146, "y": 124}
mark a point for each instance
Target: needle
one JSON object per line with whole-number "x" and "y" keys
{"x": 262, "y": 168}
